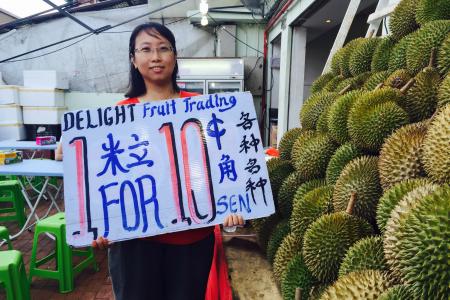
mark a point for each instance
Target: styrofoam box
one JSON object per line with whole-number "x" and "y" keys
{"x": 43, "y": 115}
{"x": 10, "y": 114}
{"x": 45, "y": 79}
{"x": 12, "y": 132}
{"x": 9, "y": 94}
{"x": 41, "y": 97}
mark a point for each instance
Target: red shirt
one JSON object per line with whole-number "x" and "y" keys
{"x": 181, "y": 237}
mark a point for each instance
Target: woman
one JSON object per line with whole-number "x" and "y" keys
{"x": 169, "y": 266}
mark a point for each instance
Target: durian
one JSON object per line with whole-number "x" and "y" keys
{"x": 443, "y": 58}
{"x": 421, "y": 99}
{"x": 392, "y": 234}
{"x": 365, "y": 254}
{"x": 430, "y": 10}
{"x": 312, "y": 159}
{"x": 423, "y": 245}
{"x": 263, "y": 228}
{"x": 343, "y": 155}
{"x": 331, "y": 85}
{"x": 374, "y": 116}
{"x": 287, "y": 192}
{"x": 359, "y": 176}
{"x": 352, "y": 83}
{"x": 278, "y": 170}
{"x": 320, "y": 82}
{"x": 328, "y": 238}
{"x": 397, "y": 59}
{"x": 287, "y": 141}
{"x": 403, "y": 19}
{"x": 363, "y": 285}
{"x": 398, "y": 79}
{"x": 297, "y": 275}
{"x": 361, "y": 58}
{"x": 393, "y": 196}
{"x": 343, "y": 57}
{"x": 375, "y": 79}
{"x": 305, "y": 188}
{"x": 429, "y": 36}
{"x": 310, "y": 207}
{"x": 436, "y": 150}
{"x": 314, "y": 106}
{"x": 380, "y": 59}
{"x": 281, "y": 230}
{"x": 338, "y": 115}
{"x": 444, "y": 92}
{"x": 289, "y": 248}
{"x": 398, "y": 292}
{"x": 400, "y": 155}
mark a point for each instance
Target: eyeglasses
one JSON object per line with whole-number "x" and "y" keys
{"x": 159, "y": 50}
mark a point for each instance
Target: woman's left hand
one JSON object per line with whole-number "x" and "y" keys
{"x": 233, "y": 220}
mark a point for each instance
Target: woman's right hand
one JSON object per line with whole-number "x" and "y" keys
{"x": 101, "y": 243}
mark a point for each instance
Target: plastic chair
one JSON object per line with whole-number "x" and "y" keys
{"x": 10, "y": 191}
{"x": 65, "y": 271}
{"x": 4, "y": 236}
{"x": 13, "y": 275}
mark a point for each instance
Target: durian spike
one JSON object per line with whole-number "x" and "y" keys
{"x": 344, "y": 90}
{"x": 351, "y": 203}
{"x": 432, "y": 58}
{"x": 407, "y": 86}
{"x": 298, "y": 293}
{"x": 371, "y": 33}
{"x": 379, "y": 86}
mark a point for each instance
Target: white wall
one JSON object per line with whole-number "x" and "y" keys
{"x": 100, "y": 62}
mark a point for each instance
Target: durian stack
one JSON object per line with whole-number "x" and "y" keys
{"x": 363, "y": 187}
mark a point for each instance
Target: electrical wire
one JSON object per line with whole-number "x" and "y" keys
{"x": 97, "y": 31}
{"x": 235, "y": 37}
{"x": 47, "y": 53}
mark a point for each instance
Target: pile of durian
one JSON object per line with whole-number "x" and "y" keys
{"x": 362, "y": 189}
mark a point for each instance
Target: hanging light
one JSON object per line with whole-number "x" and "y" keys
{"x": 204, "y": 21}
{"x": 203, "y": 7}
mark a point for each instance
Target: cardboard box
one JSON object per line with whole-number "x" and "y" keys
{"x": 10, "y": 114}
{"x": 41, "y": 97}
{"x": 45, "y": 79}
{"x": 9, "y": 94}
{"x": 42, "y": 115}
{"x": 10, "y": 157}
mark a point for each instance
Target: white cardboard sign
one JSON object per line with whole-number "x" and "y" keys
{"x": 145, "y": 169}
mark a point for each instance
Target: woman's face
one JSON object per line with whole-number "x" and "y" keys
{"x": 154, "y": 57}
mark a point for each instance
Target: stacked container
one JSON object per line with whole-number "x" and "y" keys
{"x": 42, "y": 99}
{"x": 11, "y": 120}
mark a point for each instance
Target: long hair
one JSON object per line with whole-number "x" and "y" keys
{"x": 136, "y": 86}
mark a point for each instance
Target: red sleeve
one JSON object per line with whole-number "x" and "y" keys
{"x": 128, "y": 101}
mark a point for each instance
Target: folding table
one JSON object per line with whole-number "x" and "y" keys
{"x": 36, "y": 167}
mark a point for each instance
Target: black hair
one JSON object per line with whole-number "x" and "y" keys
{"x": 136, "y": 86}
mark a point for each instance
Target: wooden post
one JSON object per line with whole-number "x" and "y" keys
{"x": 298, "y": 293}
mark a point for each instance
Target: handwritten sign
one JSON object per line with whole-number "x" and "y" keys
{"x": 145, "y": 169}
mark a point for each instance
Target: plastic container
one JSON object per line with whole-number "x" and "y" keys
{"x": 10, "y": 114}
{"x": 45, "y": 79}
{"x": 12, "y": 132}
{"x": 41, "y": 97}
{"x": 42, "y": 115}
{"x": 9, "y": 94}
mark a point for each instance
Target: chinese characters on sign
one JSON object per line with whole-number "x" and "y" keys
{"x": 145, "y": 169}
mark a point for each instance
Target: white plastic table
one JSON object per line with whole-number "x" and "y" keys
{"x": 36, "y": 167}
{"x": 25, "y": 145}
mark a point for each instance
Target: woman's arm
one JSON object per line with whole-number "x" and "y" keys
{"x": 59, "y": 152}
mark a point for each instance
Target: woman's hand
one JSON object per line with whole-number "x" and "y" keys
{"x": 101, "y": 243}
{"x": 231, "y": 221}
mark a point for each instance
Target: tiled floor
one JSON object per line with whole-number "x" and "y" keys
{"x": 88, "y": 284}
{"x": 246, "y": 263}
